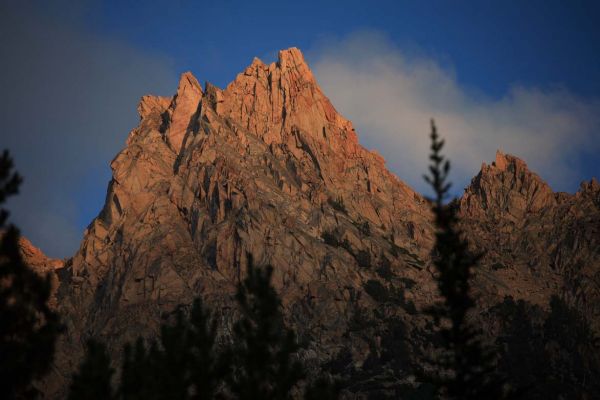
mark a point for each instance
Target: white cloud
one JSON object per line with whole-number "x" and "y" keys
{"x": 390, "y": 97}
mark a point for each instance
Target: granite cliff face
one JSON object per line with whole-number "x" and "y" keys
{"x": 268, "y": 166}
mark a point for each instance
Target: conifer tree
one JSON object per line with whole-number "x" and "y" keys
{"x": 182, "y": 364}
{"x": 464, "y": 367}
{"x": 138, "y": 380}
{"x": 263, "y": 347}
{"x": 93, "y": 380}
{"x": 186, "y": 363}
{"x": 550, "y": 354}
{"x": 28, "y": 328}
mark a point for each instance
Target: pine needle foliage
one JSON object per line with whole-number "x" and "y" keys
{"x": 187, "y": 363}
{"x": 28, "y": 327}
{"x": 463, "y": 367}
{"x": 93, "y": 380}
{"x": 263, "y": 346}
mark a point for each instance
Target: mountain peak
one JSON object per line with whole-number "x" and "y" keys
{"x": 182, "y": 109}
{"x": 501, "y": 160}
{"x": 257, "y": 61}
{"x": 273, "y": 100}
{"x": 291, "y": 57}
{"x": 188, "y": 85}
{"x": 507, "y": 185}
{"x": 292, "y": 63}
{"x": 267, "y": 166}
{"x": 505, "y": 162}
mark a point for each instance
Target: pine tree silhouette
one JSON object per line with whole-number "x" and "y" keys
{"x": 549, "y": 355}
{"x": 209, "y": 368}
{"x": 263, "y": 348}
{"x": 138, "y": 374}
{"x": 186, "y": 363}
{"x": 28, "y": 328}
{"x": 93, "y": 380}
{"x": 465, "y": 367}
{"x": 183, "y": 364}
{"x": 322, "y": 389}
{"x": 572, "y": 351}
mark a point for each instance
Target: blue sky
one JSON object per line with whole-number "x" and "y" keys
{"x": 490, "y": 44}
{"x": 521, "y": 76}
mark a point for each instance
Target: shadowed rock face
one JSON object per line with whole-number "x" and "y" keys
{"x": 268, "y": 166}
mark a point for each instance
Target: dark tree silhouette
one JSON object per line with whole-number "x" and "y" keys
{"x": 522, "y": 359}
{"x": 322, "y": 389}
{"x": 93, "y": 381}
{"x": 183, "y": 364}
{"x": 572, "y": 349}
{"x": 210, "y": 367}
{"x": 186, "y": 362}
{"x": 138, "y": 374}
{"x": 28, "y": 328}
{"x": 548, "y": 355}
{"x": 464, "y": 367}
{"x": 263, "y": 347}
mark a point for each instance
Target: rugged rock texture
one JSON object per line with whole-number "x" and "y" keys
{"x": 536, "y": 242}
{"x": 268, "y": 166}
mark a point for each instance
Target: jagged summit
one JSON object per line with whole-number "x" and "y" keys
{"x": 272, "y": 101}
{"x": 508, "y": 163}
{"x": 507, "y": 185}
{"x": 504, "y": 161}
{"x": 266, "y": 165}
{"x": 280, "y": 103}
{"x": 291, "y": 57}
{"x": 285, "y": 57}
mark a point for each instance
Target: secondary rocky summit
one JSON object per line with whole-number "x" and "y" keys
{"x": 268, "y": 166}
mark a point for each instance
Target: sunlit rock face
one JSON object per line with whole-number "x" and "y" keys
{"x": 267, "y": 166}
{"x": 537, "y": 242}
{"x": 36, "y": 259}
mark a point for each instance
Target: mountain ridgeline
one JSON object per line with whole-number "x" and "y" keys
{"x": 268, "y": 167}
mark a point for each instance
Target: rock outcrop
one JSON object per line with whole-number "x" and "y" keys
{"x": 268, "y": 166}
{"x": 36, "y": 259}
{"x": 507, "y": 187}
{"x": 536, "y": 242}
